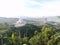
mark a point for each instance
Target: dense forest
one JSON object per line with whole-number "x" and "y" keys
{"x": 29, "y": 35}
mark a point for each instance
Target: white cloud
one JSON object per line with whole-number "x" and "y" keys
{"x": 48, "y": 9}
{"x": 11, "y": 8}
{"x": 15, "y": 8}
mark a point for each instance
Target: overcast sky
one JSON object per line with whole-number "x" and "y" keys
{"x": 30, "y": 8}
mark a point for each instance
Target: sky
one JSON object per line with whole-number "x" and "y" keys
{"x": 29, "y": 8}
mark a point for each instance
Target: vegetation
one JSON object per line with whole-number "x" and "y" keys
{"x": 29, "y": 35}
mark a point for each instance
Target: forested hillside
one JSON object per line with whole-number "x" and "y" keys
{"x": 29, "y": 35}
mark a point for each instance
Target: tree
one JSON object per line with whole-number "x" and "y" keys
{"x": 55, "y": 39}
{"x": 47, "y": 32}
{"x": 35, "y": 40}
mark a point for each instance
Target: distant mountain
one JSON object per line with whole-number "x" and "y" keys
{"x": 8, "y": 20}
{"x": 30, "y": 20}
{"x": 51, "y": 18}
{"x": 41, "y": 20}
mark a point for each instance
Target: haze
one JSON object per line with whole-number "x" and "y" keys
{"x": 30, "y": 8}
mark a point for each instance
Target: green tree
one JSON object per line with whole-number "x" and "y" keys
{"x": 47, "y": 32}
{"x": 55, "y": 39}
{"x": 35, "y": 40}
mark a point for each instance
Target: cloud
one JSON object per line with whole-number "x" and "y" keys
{"x": 30, "y": 8}
{"x": 45, "y": 0}
{"x": 47, "y": 9}
{"x": 11, "y": 8}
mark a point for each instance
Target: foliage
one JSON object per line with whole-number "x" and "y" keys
{"x": 29, "y": 35}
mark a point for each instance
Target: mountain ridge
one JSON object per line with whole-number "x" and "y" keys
{"x": 29, "y": 19}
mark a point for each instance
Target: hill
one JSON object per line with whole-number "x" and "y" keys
{"x": 8, "y": 20}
